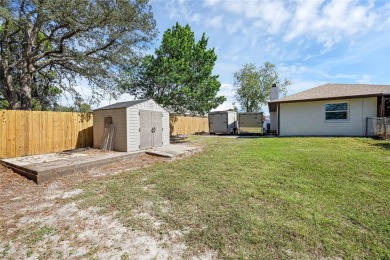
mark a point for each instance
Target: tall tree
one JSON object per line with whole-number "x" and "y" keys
{"x": 179, "y": 75}
{"x": 45, "y": 91}
{"x": 90, "y": 39}
{"x": 253, "y": 85}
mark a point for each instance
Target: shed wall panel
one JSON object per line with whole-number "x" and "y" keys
{"x": 120, "y": 133}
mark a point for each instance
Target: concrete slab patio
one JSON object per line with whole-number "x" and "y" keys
{"x": 172, "y": 151}
{"x": 41, "y": 168}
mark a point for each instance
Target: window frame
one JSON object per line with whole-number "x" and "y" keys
{"x": 336, "y": 120}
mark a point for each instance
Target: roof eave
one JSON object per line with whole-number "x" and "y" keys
{"x": 109, "y": 108}
{"x": 327, "y": 98}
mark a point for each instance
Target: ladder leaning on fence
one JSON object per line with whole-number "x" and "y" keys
{"x": 108, "y": 138}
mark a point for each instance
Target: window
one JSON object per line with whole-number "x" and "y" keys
{"x": 337, "y": 111}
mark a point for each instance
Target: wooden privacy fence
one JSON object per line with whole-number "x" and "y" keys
{"x": 187, "y": 125}
{"x": 37, "y": 132}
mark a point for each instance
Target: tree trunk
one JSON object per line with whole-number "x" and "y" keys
{"x": 10, "y": 93}
{"x": 25, "y": 96}
{"x": 7, "y": 86}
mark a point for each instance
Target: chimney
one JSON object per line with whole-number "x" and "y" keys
{"x": 274, "y": 92}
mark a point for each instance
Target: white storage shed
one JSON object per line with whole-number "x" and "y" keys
{"x": 223, "y": 122}
{"x": 135, "y": 125}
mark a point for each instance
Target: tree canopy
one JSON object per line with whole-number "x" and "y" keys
{"x": 69, "y": 39}
{"x": 179, "y": 74}
{"x": 253, "y": 85}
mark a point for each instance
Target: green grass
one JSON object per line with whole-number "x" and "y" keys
{"x": 266, "y": 198}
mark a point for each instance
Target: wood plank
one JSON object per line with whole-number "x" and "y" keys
{"x": 64, "y": 129}
{"x": 195, "y": 125}
{"x": 67, "y": 131}
{"x": 36, "y": 132}
{"x": 178, "y": 125}
{"x": 73, "y": 130}
{"x": 82, "y": 127}
{"x": 28, "y": 133}
{"x": 25, "y": 130}
{"x": 82, "y": 130}
{"x": 3, "y": 134}
{"x": 185, "y": 125}
{"x": 56, "y": 137}
{"x": 43, "y": 145}
{"x": 77, "y": 130}
{"x": 60, "y": 132}
{"x": 11, "y": 134}
{"x": 19, "y": 135}
{"x": 49, "y": 132}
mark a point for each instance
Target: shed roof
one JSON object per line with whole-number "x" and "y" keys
{"x": 124, "y": 104}
{"x": 336, "y": 91}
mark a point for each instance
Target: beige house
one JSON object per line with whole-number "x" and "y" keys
{"x": 136, "y": 125}
{"x": 329, "y": 110}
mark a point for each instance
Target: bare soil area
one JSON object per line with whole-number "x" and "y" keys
{"x": 39, "y": 221}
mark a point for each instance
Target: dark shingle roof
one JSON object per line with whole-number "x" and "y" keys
{"x": 336, "y": 91}
{"x": 122, "y": 104}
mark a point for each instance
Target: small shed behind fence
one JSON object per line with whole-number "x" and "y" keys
{"x": 131, "y": 126}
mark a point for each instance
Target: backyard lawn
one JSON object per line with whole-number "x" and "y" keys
{"x": 261, "y": 198}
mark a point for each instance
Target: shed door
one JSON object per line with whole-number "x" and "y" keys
{"x": 219, "y": 123}
{"x": 145, "y": 129}
{"x": 150, "y": 129}
{"x": 157, "y": 128}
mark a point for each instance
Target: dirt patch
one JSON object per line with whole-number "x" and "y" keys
{"x": 70, "y": 232}
{"x": 37, "y": 221}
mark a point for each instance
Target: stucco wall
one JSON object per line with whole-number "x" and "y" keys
{"x": 120, "y": 132}
{"x": 308, "y": 118}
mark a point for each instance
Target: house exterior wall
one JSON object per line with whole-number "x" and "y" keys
{"x": 273, "y": 121}
{"x": 120, "y": 132}
{"x": 308, "y": 118}
{"x": 133, "y": 124}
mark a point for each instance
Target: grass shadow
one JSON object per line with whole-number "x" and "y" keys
{"x": 384, "y": 145}
{"x": 179, "y": 139}
{"x": 249, "y": 136}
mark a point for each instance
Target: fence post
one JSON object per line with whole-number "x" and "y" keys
{"x": 384, "y": 124}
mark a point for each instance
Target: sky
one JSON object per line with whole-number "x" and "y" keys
{"x": 311, "y": 42}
